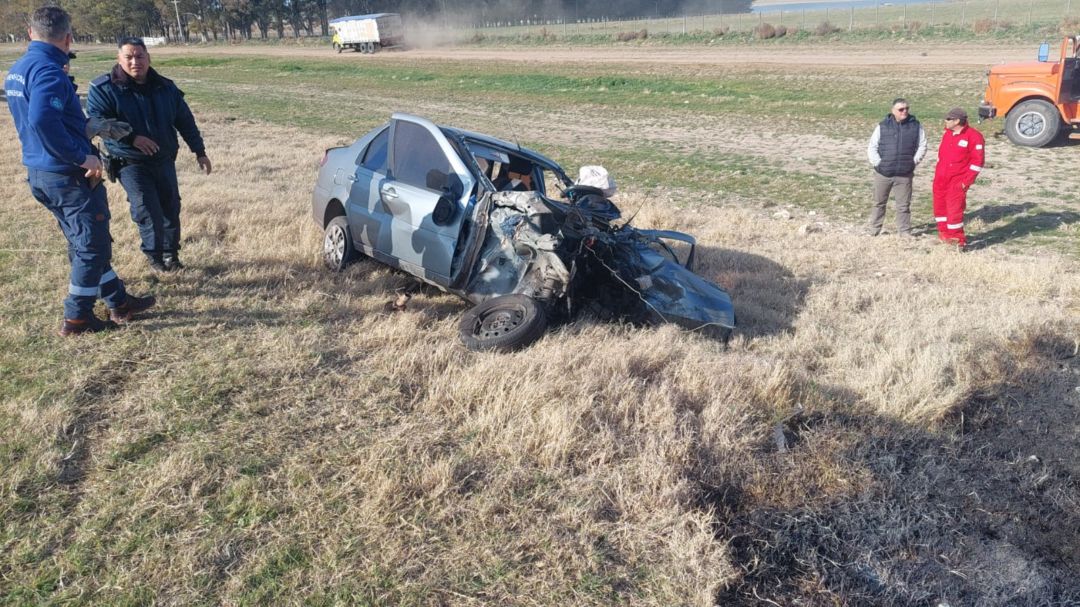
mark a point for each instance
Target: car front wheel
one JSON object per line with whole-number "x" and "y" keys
{"x": 503, "y": 324}
{"x": 338, "y": 248}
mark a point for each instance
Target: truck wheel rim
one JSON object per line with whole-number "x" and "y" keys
{"x": 1031, "y": 124}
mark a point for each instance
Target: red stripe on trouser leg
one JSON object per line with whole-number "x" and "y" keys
{"x": 955, "y": 204}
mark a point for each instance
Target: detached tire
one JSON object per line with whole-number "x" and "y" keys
{"x": 338, "y": 249}
{"x": 1033, "y": 123}
{"x": 503, "y": 324}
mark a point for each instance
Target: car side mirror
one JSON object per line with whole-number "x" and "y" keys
{"x": 443, "y": 213}
{"x": 436, "y": 180}
{"x": 447, "y": 183}
{"x": 1044, "y": 51}
{"x": 454, "y": 187}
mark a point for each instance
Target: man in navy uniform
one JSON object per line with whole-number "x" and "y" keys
{"x": 155, "y": 108}
{"x": 64, "y": 173}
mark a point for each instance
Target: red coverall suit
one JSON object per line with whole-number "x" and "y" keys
{"x": 960, "y": 159}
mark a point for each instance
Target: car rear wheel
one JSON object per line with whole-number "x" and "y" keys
{"x": 503, "y": 324}
{"x": 1033, "y": 123}
{"x": 338, "y": 249}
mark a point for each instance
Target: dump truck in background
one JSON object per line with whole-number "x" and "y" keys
{"x": 368, "y": 33}
{"x": 1039, "y": 99}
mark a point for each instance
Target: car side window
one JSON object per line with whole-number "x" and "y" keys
{"x": 375, "y": 154}
{"x": 416, "y": 155}
{"x": 552, "y": 185}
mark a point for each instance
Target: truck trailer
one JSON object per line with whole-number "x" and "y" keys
{"x": 368, "y": 33}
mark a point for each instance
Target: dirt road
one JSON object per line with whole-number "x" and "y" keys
{"x": 929, "y": 56}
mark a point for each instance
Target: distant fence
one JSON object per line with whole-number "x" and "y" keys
{"x": 979, "y": 14}
{"x": 982, "y": 16}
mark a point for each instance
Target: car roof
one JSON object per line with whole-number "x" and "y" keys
{"x": 528, "y": 154}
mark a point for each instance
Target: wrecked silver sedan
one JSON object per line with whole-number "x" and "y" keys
{"x": 506, "y": 229}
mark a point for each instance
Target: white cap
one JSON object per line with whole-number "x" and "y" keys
{"x": 596, "y": 177}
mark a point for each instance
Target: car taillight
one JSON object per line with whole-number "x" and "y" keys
{"x": 325, "y": 156}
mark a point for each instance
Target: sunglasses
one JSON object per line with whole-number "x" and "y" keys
{"x": 902, "y": 109}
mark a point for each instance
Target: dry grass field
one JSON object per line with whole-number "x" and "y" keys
{"x": 272, "y": 435}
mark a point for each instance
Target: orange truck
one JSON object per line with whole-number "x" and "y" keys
{"x": 1039, "y": 99}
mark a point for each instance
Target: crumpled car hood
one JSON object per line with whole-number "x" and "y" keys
{"x": 674, "y": 294}
{"x": 528, "y": 251}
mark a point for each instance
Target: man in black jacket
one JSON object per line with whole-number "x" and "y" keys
{"x": 155, "y": 108}
{"x": 895, "y": 149}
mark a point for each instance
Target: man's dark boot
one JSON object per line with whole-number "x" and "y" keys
{"x": 78, "y": 326}
{"x": 156, "y": 263}
{"x": 172, "y": 262}
{"x": 131, "y": 306}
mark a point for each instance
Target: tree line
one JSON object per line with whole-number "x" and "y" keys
{"x": 108, "y": 20}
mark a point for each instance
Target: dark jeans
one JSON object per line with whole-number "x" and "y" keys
{"x": 83, "y": 215}
{"x": 154, "y": 197}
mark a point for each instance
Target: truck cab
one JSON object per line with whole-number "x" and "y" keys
{"x": 1039, "y": 99}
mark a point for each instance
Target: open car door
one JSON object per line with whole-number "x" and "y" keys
{"x": 426, "y": 193}
{"x": 1069, "y": 76}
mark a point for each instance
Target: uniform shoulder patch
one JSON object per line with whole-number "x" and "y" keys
{"x": 56, "y": 103}
{"x": 100, "y": 80}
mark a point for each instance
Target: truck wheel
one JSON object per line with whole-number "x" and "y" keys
{"x": 503, "y": 324}
{"x": 338, "y": 248}
{"x": 1033, "y": 123}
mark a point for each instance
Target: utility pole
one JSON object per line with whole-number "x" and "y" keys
{"x": 179, "y": 27}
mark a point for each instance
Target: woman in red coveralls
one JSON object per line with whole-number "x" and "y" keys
{"x": 960, "y": 159}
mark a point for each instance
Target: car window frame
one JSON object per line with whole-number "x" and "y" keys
{"x": 361, "y": 159}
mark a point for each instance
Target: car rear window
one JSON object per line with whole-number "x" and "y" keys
{"x": 375, "y": 154}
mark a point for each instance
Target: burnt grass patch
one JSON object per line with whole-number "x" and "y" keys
{"x": 979, "y": 510}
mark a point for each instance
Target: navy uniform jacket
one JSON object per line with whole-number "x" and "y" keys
{"x": 48, "y": 117}
{"x": 155, "y": 109}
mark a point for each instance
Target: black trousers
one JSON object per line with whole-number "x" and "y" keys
{"x": 154, "y": 197}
